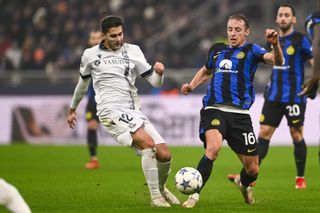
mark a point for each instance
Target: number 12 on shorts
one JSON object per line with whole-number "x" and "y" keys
{"x": 249, "y": 138}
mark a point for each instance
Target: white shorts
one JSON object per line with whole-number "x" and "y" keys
{"x": 120, "y": 123}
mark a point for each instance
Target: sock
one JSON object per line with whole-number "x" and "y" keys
{"x": 262, "y": 148}
{"x": 164, "y": 170}
{"x": 11, "y": 198}
{"x": 246, "y": 179}
{"x": 150, "y": 171}
{"x": 205, "y": 167}
{"x": 300, "y": 155}
{"x": 92, "y": 142}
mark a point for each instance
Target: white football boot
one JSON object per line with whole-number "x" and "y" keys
{"x": 159, "y": 202}
{"x": 246, "y": 191}
{"x": 170, "y": 197}
{"x": 192, "y": 201}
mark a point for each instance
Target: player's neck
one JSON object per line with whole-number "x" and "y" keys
{"x": 285, "y": 33}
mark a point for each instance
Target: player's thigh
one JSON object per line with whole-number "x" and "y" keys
{"x": 272, "y": 113}
{"x": 295, "y": 114}
{"x": 240, "y": 135}
{"x": 121, "y": 124}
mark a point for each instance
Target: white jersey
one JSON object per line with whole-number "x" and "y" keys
{"x": 114, "y": 74}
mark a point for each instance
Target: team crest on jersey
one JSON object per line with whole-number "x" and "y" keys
{"x": 240, "y": 55}
{"x": 97, "y": 62}
{"x": 290, "y": 50}
{"x": 262, "y": 117}
{"x": 215, "y": 122}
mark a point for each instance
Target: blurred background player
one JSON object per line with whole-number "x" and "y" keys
{"x": 12, "y": 199}
{"x": 312, "y": 26}
{"x": 95, "y": 38}
{"x": 281, "y": 94}
{"x": 225, "y": 113}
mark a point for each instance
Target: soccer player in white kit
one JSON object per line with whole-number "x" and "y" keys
{"x": 113, "y": 66}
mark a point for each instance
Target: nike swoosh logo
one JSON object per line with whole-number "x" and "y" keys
{"x": 295, "y": 121}
{"x": 251, "y": 150}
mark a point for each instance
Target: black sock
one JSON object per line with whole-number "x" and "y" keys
{"x": 92, "y": 142}
{"x": 300, "y": 155}
{"x": 262, "y": 148}
{"x": 205, "y": 167}
{"x": 246, "y": 179}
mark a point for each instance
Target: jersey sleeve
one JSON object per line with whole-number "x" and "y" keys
{"x": 85, "y": 70}
{"x": 307, "y": 47}
{"x": 214, "y": 49}
{"x": 258, "y": 52}
{"x": 142, "y": 66}
{"x": 312, "y": 20}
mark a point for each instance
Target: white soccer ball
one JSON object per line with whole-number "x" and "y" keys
{"x": 188, "y": 180}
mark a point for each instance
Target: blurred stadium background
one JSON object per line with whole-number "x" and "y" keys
{"x": 41, "y": 43}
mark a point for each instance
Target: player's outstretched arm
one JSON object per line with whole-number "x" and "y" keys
{"x": 202, "y": 76}
{"x": 78, "y": 94}
{"x": 276, "y": 57}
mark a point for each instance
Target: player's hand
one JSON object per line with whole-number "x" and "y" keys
{"x": 186, "y": 89}
{"x": 272, "y": 36}
{"x": 72, "y": 118}
{"x": 310, "y": 88}
{"x": 159, "y": 68}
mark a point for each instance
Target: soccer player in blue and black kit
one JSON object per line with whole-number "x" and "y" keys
{"x": 281, "y": 94}
{"x": 95, "y": 38}
{"x": 230, "y": 94}
{"x": 313, "y": 28}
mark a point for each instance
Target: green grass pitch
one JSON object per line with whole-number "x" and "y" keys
{"x": 53, "y": 179}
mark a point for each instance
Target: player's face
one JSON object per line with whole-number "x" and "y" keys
{"x": 114, "y": 38}
{"x": 237, "y": 32}
{"x": 285, "y": 19}
{"x": 94, "y": 38}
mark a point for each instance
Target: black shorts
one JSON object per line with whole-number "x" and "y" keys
{"x": 236, "y": 128}
{"x": 272, "y": 113}
{"x": 91, "y": 109}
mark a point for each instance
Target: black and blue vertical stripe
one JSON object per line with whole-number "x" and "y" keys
{"x": 287, "y": 80}
{"x": 233, "y": 72}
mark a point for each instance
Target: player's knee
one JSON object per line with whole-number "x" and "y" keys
{"x": 212, "y": 152}
{"x": 164, "y": 157}
{"x": 265, "y": 132}
{"x": 253, "y": 170}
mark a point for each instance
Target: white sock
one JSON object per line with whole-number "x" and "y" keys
{"x": 11, "y": 198}
{"x": 150, "y": 170}
{"x": 164, "y": 170}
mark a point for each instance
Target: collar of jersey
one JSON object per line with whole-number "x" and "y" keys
{"x": 282, "y": 37}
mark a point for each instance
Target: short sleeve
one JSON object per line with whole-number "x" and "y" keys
{"x": 258, "y": 51}
{"x": 214, "y": 49}
{"x": 142, "y": 66}
{"x": 85, "y": 70}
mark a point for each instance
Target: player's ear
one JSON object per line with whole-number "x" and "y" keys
{"x": 247, "y": 32}
{"x": 294, "y": 20}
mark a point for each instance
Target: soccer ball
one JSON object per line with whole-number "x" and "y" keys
{"x": 188, "y": 180}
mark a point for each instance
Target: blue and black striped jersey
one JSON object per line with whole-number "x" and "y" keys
{"x": 233, "y": 72}
{"x": 286, "y": 80}
{"x": 311, "y": 21}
